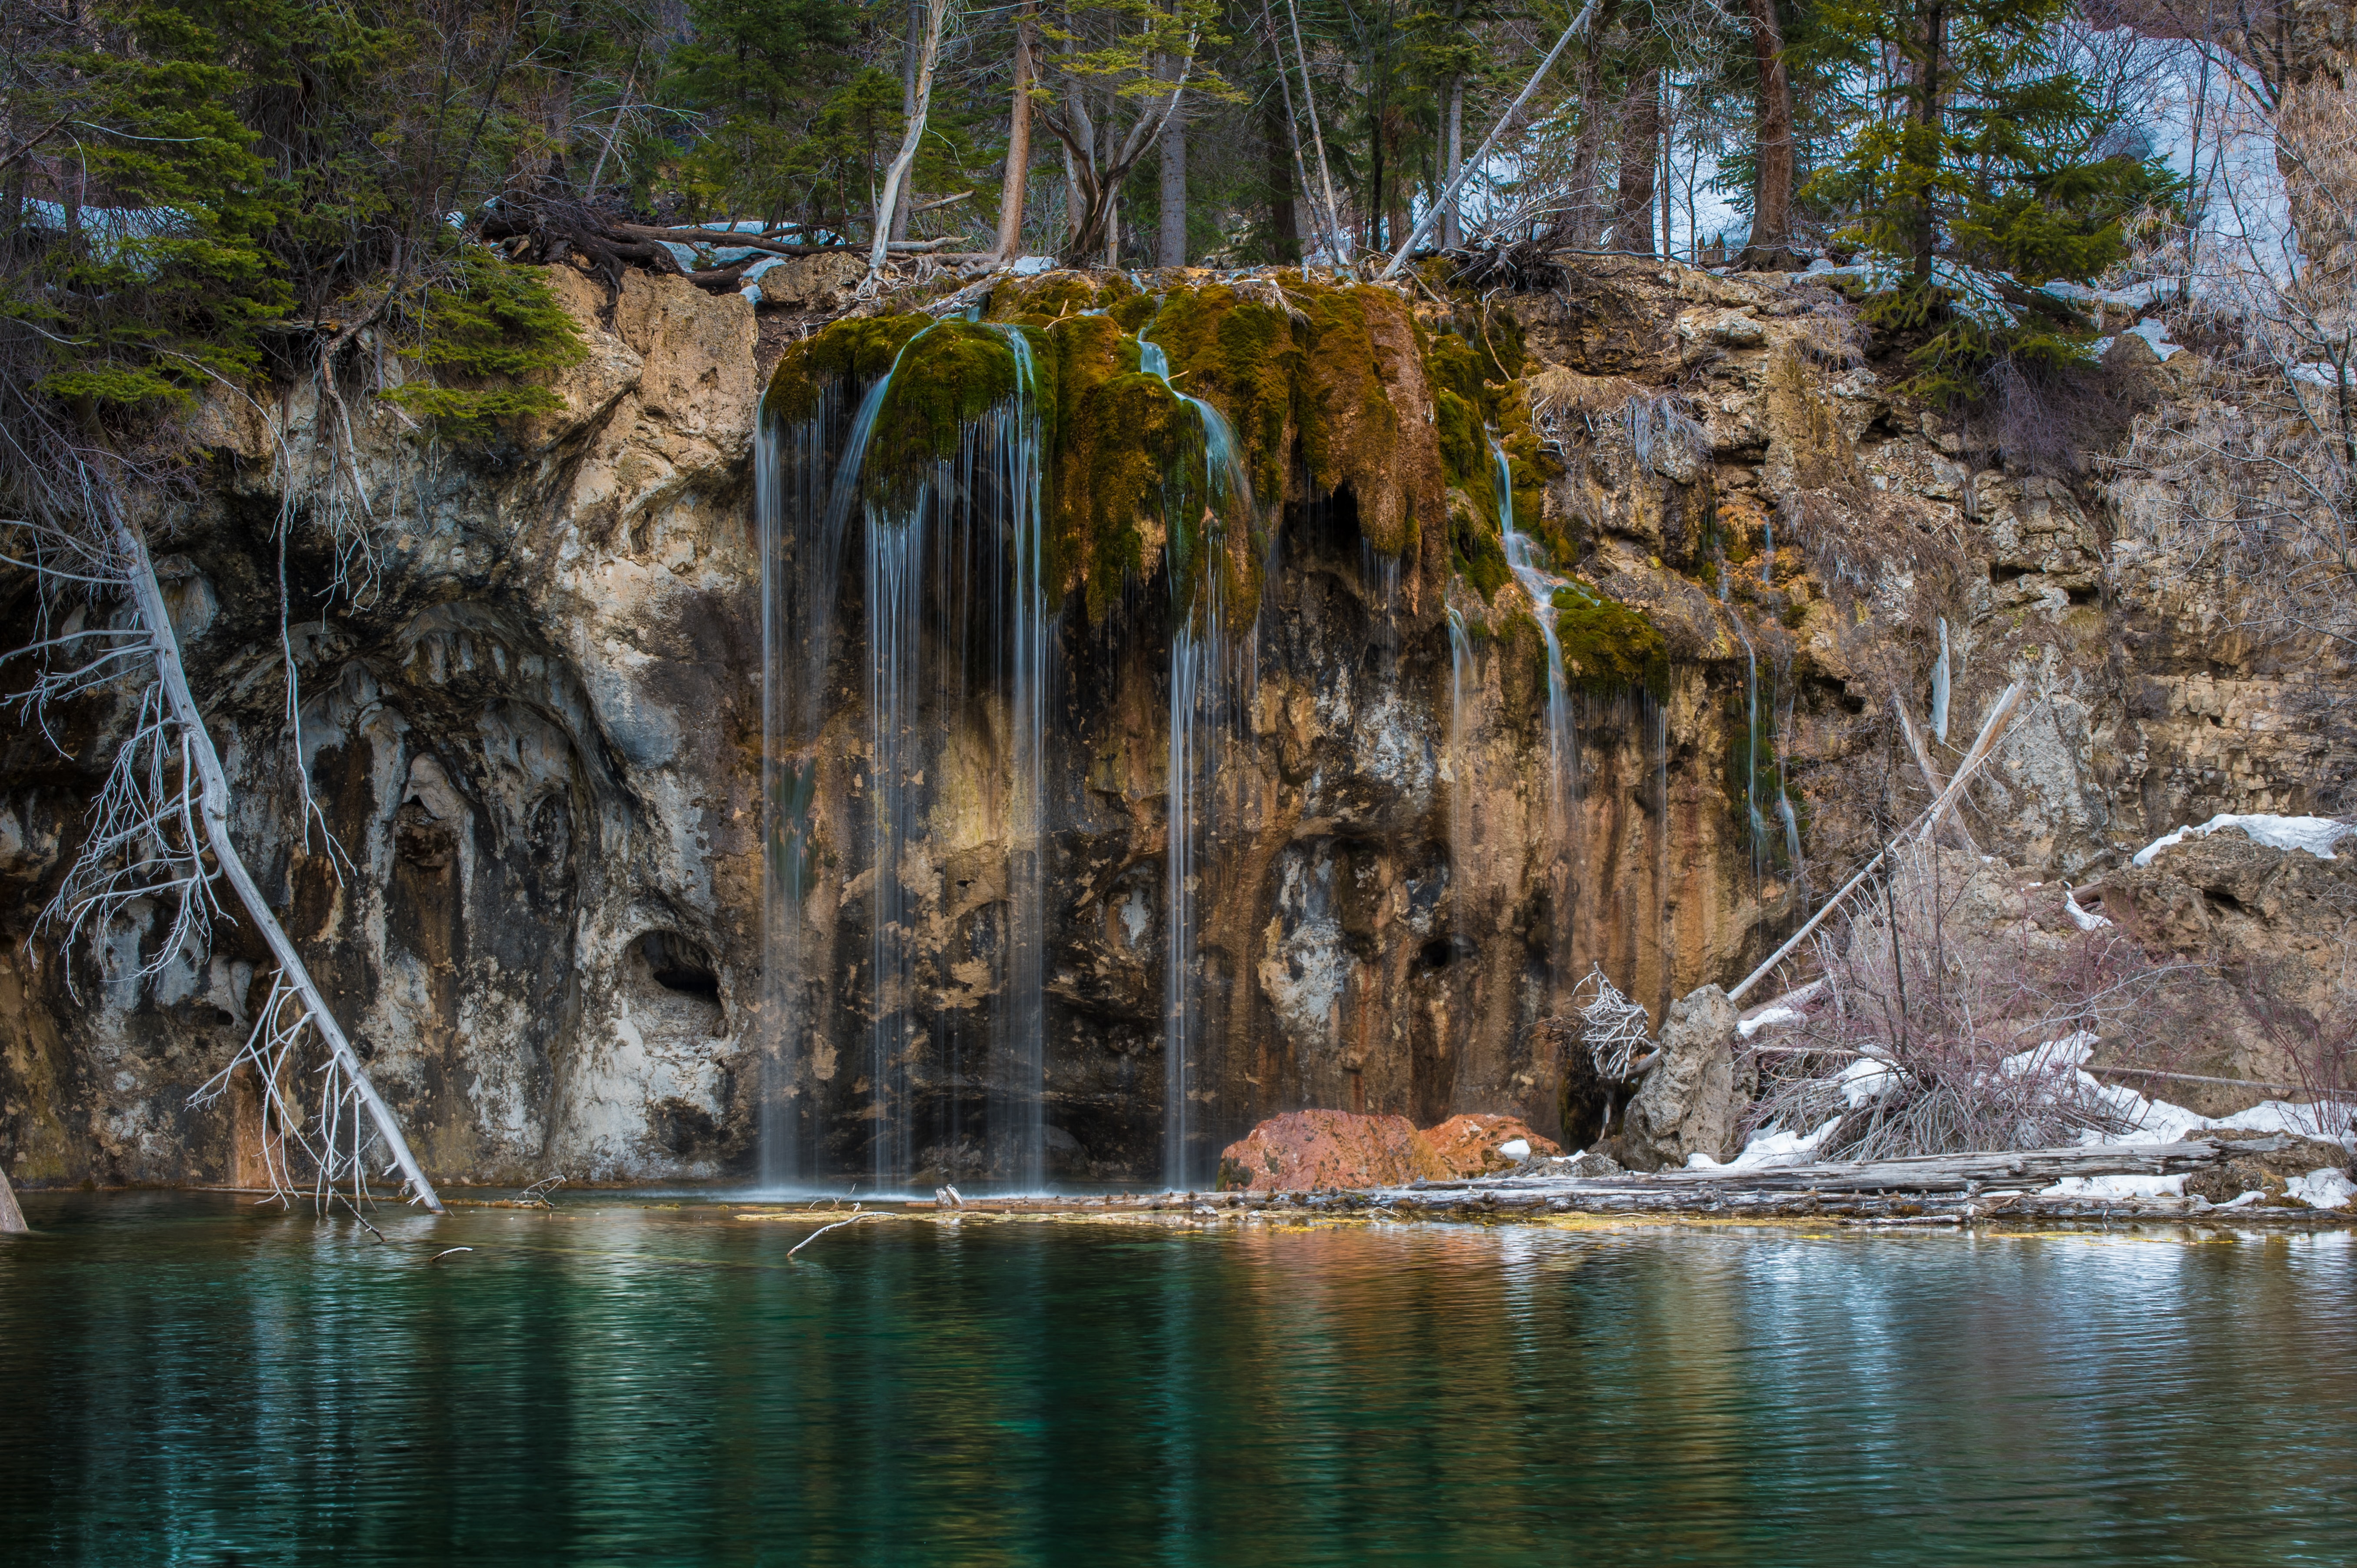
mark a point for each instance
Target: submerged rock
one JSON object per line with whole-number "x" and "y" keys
{"x": 1686, "y": 1105}
{"x": 1317, "y": 1150}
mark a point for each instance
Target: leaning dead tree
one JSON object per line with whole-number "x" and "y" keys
{"x": 159, "y": 832}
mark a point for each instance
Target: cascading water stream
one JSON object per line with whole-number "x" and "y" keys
{"x": 947, "y": 550}
{"x": 1199, "y": 677}
{"x": 1461, "y": 758}
{"x": 1522, "y": 557}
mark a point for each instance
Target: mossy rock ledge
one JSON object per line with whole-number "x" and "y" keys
{"x": 1325, "y": 389}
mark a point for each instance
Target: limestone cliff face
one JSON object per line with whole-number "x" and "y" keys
{"x": 535, "y": 742}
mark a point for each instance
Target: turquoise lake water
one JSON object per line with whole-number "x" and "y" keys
{"x": 188, "y": 1380}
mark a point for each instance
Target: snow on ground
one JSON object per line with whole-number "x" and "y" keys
{"x": 2314, "y": 834}
{"x": 2116, "y": 1186}
{"x": 2148, "y": 1120}
{"x": 2323, "y": 1189}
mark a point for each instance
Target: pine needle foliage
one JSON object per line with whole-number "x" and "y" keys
{"x": 1980, "y": 147}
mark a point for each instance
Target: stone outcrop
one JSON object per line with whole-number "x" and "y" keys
{"x": 1686, "y": 1103}
{"x": 1470, "y": 1144}
{"x": 1316, "y": 1151}
{"x": 536, "y": 740}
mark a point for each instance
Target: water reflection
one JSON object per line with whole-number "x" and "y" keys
{"x": 190, "y": 1382}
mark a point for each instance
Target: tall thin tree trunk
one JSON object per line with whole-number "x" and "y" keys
{"x": 1770, "y": 247}
{"x": 1452, "y": 224}
{"x": 1930, "y": 84}
{"x": 1284, "y": 221}
{"x": 1585, "y": 226}
{"x": 1316, "y": 137}
{"x": 1640, "y": 135}
{"x": 1173, "y": 191}
{"x": 1665, "y": 155}
{"x": 1018, "y": 144}
{"x": 896, "y": 180}
{"x": 909, "y": 71}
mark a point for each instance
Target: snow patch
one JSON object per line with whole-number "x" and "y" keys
{"x": 2323, "y": 1189}
{"x": 2116, "y": 1186}
{"x": 2314, "y": 834}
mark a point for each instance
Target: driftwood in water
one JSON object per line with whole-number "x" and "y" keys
{"x": 12, "y": 1218}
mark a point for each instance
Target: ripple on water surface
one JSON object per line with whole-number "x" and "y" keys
{"x": 191, "y": 1381}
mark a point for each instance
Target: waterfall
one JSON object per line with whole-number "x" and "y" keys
{"x": 1200, "y": 676}
{"x": 1522, "y": 557}
{"x": 955, "y": 607}
{"x": 802, "y": 494}
{"x": 1460, "y": 761}
{"x": 1525, "y": 558}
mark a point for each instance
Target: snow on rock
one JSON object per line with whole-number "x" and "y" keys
{"x": 1767, "y": 1017}
{"x": 1863, "y": 1079}
{"x": 2314, "y": 834}
{"x": 2322, "y": 1188}
{"x": 1770, "y": 1149}
{"x": 2116, "y": 1186}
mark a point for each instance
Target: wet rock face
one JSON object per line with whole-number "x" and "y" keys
{"x": 537, "y": 741}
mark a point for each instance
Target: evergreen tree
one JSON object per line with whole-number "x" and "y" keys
{"x": 1980, "y": 146}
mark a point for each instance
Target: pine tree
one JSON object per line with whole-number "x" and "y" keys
{"x": 1977, "y": 166}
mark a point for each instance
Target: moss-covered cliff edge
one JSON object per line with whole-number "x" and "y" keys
{"x": 537, "y": 744}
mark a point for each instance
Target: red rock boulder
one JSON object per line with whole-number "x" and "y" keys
{"x": 1467, "y": 1144}
{"x": 1309, "y": 1151}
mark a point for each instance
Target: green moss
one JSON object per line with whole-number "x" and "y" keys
{"x": 1475, "y": 551}
{"x": 961, "y": 372}
{"x": 856, "y": 350}
{"x": 1120, "y": 436}
{"x": 1606, "y": 644}
{"x": 1038, "y": 301}
{"x": 1240, "y": 355}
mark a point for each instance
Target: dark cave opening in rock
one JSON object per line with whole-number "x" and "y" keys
{"x": 679, "y": 964}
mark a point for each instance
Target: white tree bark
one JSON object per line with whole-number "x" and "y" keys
{"x": 12, "y": 1218}
{"x": 213, "y": 808}
{"x": 911, "y": 137}
{"x": 1579, "y": 25}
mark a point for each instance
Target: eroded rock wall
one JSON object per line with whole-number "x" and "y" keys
{"x": 535, "y": 742}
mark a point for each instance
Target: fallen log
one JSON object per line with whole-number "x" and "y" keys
{"x": 1922, "y": 1174}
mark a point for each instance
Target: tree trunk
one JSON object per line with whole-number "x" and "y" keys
{"x": 908, "y": 72}
{"x": 1928, "y": 155}
{"x": 1318, "y": 139}
{"x": 1452, "y": 225}
{"x": 214, "y": 808}
{"x": 1579, "y": 24}
{"x": 1284, "y": 221}
{"x": 896, "y": 181}
{"x": 1640, "y": 135}
{"x": 1584, "y": 225}
{"x": 1018, "y": 144}
{"x": 1173, "y": 209}
{"x": 12, "y": 1218}
{"x": 1771, "y": 191}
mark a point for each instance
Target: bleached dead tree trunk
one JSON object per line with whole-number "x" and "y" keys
{"x": 1448, "y": 200}
{"x": 911, "y": 137}
{"x": 164, "y": 807}
{"x": 212, "y": 810}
